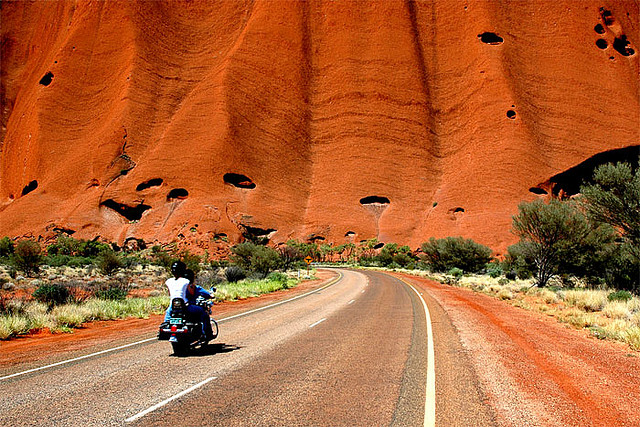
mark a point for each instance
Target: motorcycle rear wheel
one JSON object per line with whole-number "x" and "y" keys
{"x": 214, "y": 328}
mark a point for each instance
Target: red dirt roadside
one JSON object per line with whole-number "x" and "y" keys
{"x": 45, "y": 345}
{"x": 537, "y": 371}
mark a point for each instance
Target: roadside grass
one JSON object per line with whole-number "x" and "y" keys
{"x": 22, "y": 317}
{"x": 579, "y": 307}
{"x": 248, "y": 288}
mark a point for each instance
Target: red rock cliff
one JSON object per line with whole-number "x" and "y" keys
{"x": 341, "y": 120}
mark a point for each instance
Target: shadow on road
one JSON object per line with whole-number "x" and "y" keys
{"x": 216, "y": 348}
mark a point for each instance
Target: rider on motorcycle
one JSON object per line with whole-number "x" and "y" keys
{"x": 178, "y": 288}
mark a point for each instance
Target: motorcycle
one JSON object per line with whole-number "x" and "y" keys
{"x": 182, "y": 331}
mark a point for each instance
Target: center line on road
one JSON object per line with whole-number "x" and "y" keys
{"x": 164, "y": 402}
{"x": 318, "y": 322}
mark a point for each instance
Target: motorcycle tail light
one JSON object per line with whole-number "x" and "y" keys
{"x": 174, "y": 328}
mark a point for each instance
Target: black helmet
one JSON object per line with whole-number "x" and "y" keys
{"x": 178, "y": 268}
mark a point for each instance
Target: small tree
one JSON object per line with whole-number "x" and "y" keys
{"x": 6, "y": 247}
{"x": 614, "y": 198}
{"x": 108, "y": 262}
{"x": 455, "y": 252}
{"x": 264, "y": 261}
{"x": 27, "y": 256}
{"x": 556, "y": 237}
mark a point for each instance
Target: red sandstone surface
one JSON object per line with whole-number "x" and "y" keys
{"x": 199, "y": 120}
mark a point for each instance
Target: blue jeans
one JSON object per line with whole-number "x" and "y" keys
{"x": 195, "y": 312}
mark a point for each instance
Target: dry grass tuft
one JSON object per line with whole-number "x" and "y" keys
{"x": 586, "y": 300}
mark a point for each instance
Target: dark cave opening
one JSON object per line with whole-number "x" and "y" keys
{"x": 569, "y": 181}
{"x": 177, "y": 193}
{"x": 602, "y": 43}
{"x": 374, "y": 200}
{"x": 622, "y": 46}
{"x": 538, "y": 190}
{"x": 132, "y": 213}
{"x": 155, "y": 182}
{"x": 46, "y": 79}
{"x": 30, "y": 187}
{"x": 490, "y": 38}
{"x": 239, "y": 181}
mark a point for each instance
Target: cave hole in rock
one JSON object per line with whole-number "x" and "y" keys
{"x": 599, "y": 29}
{"x": 220, "y": 236}
{"x": 602, "y": 43}
{"x": 257, "y": 235}
{"x": 62, "y": 230}
{"x": 538, "y": 190}
{"x": 177, "y": 193}
{"x": 349, "y": 234}
{"x": 511, "y": 114}
{"x": 379, "y": 246}
{"x": 568, "y": 182}
{"x": 238, "y": 180}
{"x": 490, "y": 38}
{"x": 316, "y": 238}
{"x": 622, "y": 46}
{"x": 456, "y": 210}
{"x": 46, "y": 79}
{"x": 155, "y": 182}
{"x": 374, "y": 200}
{"x": 607, "y": 16}
{"x": 30, "y": 187}
{"x": 132, "y": 213}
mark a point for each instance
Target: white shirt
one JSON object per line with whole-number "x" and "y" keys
{"x": 177, "y": 288}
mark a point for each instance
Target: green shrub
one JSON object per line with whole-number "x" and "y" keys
{"x": 6, "y": 247}
{"x": 192, "y": 261}
{"x": 511, "y": 275}
{"x": 455, "y": 252}
{"x": 64, "y": 245}
{"x": 27, "y": 256}
{"x": 108, "y": 262}
{"x": 53, "y": 294}
{"x": 112, "y": 293}
{"x": 456, "y": 273}
{"x": 278, "y": 277}
{"x": 234, "y": 274}
{"x": 255, "y": 258}
{"x": 620, "y": 296}
{"x": 494, "y": 270}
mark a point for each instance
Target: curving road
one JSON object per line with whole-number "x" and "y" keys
{"x": 351, "y": 353}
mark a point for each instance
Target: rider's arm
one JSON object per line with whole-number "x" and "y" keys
{"x": 202, "y": 292}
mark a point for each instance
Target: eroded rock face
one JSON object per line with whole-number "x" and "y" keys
{"x": 194, "y": 120}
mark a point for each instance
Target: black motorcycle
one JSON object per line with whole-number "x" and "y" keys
{"x": 183, "y": 331}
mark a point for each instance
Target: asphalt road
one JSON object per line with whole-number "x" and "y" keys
{"x": 353, "y": 353}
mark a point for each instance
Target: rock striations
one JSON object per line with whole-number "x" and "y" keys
{"x": 342, "y": 120}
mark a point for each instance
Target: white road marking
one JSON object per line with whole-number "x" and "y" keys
{"x": 430, "y": 395}
{"x": 351, "y": 302}
{"x": 282, "y": 302}
{"x": 318, "y": 322}
{"x": 164, "y": 402}
{"x": 76, "y": 359}
{"x": 154, "y": 338}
